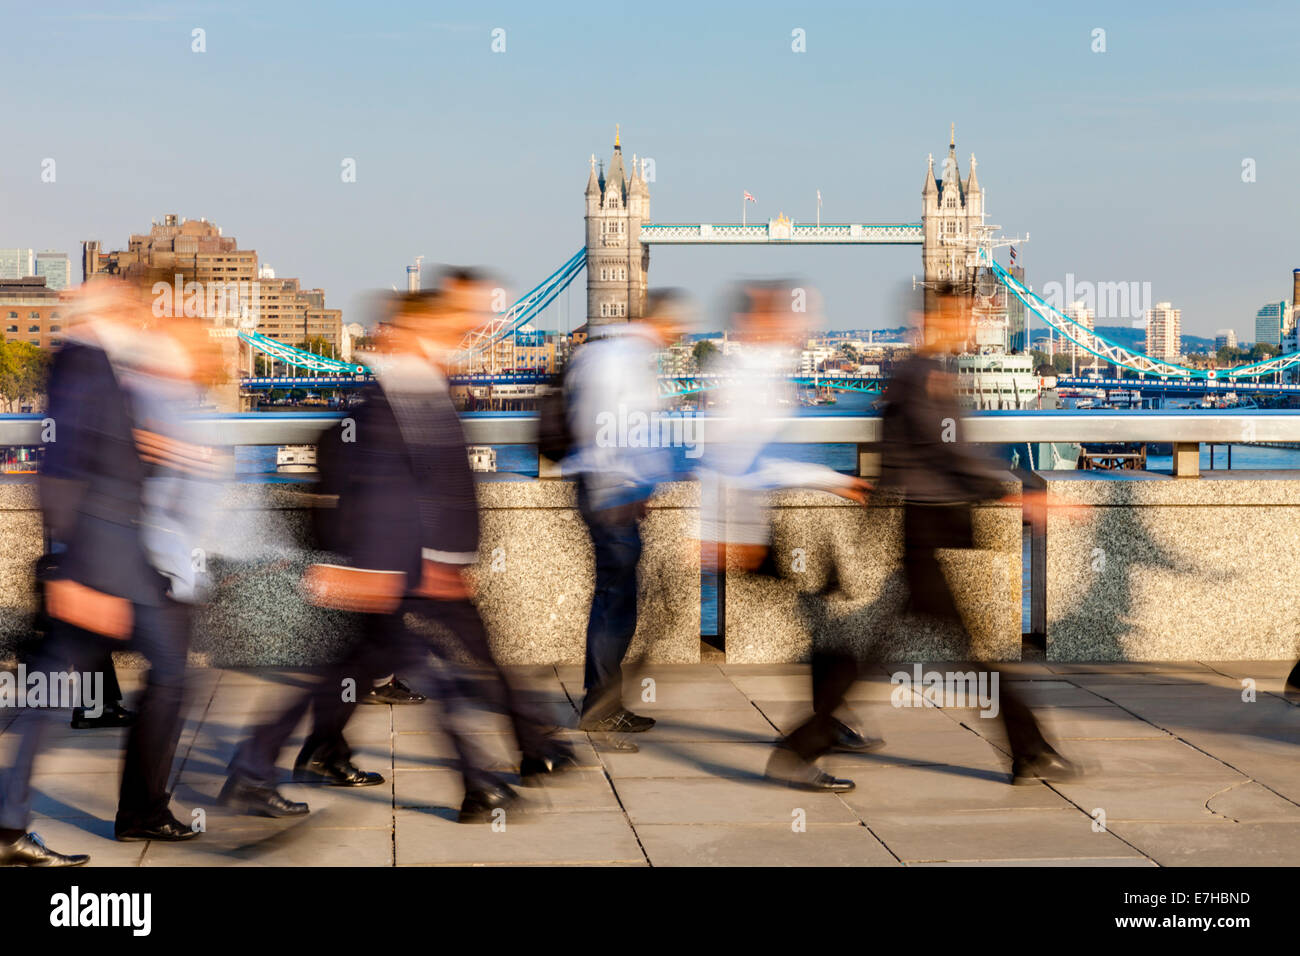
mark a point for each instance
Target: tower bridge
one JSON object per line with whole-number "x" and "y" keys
{"x": 620, "y": 232}
{"x": 956, "y": 243}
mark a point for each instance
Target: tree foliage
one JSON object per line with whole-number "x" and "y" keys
{"x": 23, "y": 369}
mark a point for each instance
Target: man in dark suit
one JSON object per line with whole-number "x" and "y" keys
{"x": 107, "y": 586}
{"x": 407, "y": 526}
{"x": 939, "y": 476}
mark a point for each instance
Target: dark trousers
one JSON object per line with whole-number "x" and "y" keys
{"x": 161, "y": 634}
{"x": 112, "y": 689}
{"x": 616, "y": 538}
{"x": 388, "y": 645}
{"x": 462, "y": 620}
{"x": 332, "y": 701}
{"x": 926, "y": 528}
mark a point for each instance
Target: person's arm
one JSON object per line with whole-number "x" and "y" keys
{"x": 73, "y": 395}
{"x": 372, "y": 582}
{"x": 65, "y": 467}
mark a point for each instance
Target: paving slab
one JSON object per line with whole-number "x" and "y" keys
{"x": 894, "y": 790}
{"x": 760, "y": 845}
{"x": 718, "y": 725}
{"x": 1159, "y": 797}
{"x": 688, "y": 758}
{"x": 957, "y": 747}
{"x": 878, "y": 718}
{"x": 996, "y": 835}
{"x": 1090, "y": 862}
{"x": 726, "y": 801}
{"x": 288, "y": 843}
{"x": 426, "y": 839}
{"x": 1235, "y": 844}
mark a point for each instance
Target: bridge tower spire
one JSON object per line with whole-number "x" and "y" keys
{"x": 617, "y": 260}
{"x": 952, "y": 209}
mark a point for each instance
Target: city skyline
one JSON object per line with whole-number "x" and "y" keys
{"x": 1131, "y": 168}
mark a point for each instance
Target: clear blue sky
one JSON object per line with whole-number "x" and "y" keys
{"x": 1123, "y": 166}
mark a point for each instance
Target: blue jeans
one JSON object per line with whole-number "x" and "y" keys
{"x": 616, "y": 537}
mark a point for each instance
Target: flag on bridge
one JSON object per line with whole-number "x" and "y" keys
{"x": 748, "y": 197}
{"x": 1013, "y": 254}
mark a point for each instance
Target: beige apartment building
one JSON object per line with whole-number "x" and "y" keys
{"x": 281, "y": 308}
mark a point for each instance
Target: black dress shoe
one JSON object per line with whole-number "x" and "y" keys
{"x": 554, "y": 761}
{"x": 1048, "y": 765}
{"x": 792, "y": 770}
{"x": 1291, "y": 687}
{"x": 30, "y": 850}
{"x": 620, "y": 721}
{"x": 113, "y": 716}
{"x": 393, "y": 692}
{"x": 168, "y": 831}
{"x": 336, "y": 773}
{"x": 259, "y": 800}
{"x": 850, "y": 741}
{"x": 480, "y": 805}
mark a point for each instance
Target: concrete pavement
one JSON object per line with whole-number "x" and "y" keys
{"x": 1182, "y": 768}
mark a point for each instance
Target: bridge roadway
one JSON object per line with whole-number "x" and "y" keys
{"x": 1152, "y": 387}
{"x": 687, "y": 384}
{"x": 671, "y": 384}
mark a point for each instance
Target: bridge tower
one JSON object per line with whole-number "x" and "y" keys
{"x": 952, "y": 209}
{"x": 617, "y": 260}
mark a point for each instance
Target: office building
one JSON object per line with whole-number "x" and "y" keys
{"x": 1271, "y": 322}
{"x": 1085, "y": 317}
{"x": 56, "y": 267}
{"x": 17, "y": 263}
{"x": 1164, "y": 332}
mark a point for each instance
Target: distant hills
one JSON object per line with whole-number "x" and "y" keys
{"x": 1136, "y": 339}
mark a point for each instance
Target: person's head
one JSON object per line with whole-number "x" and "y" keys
{"x": 110, "y": 298}
{"x": 773, "y": 311}
{"x": 412, "y": 322}
{"x": 948, "y": 320}
{"x": 467, "y": 295}
{"x": 667, "y": 314}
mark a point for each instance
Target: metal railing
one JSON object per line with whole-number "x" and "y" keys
{"x": 1185, "y": 430}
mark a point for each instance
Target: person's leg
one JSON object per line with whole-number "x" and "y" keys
{"x": 65, "y": 647}
{"x": 950, "y": 527}
{"x": 486, "y": 792}
{"x": 833, "y": 673}
{"x": 162, "y": 634}
{"x": 325, "y": 755}
{"x": 112, "y": 713}
{"x": 535, "y": 735}
{"x": 613, "y": 618}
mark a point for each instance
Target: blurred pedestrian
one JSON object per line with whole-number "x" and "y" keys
{"x": 926, "y": 461}
{"x": 121, "y": 487}
{"x": 741, "y": 468}
{"x": 613, "y": 381}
